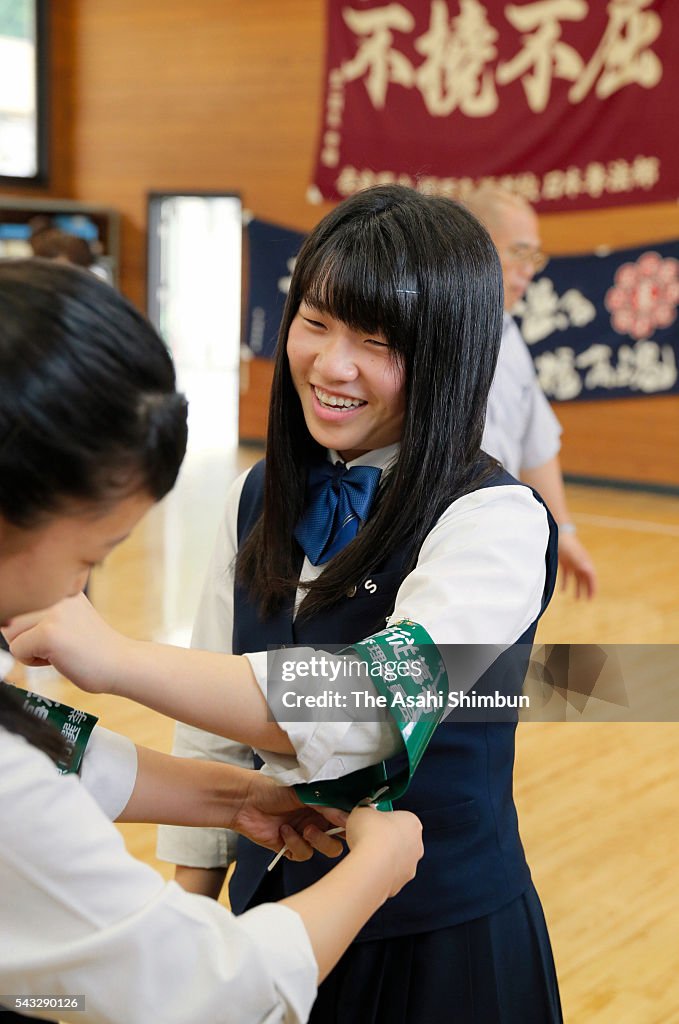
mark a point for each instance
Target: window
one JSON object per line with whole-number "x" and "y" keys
{"x": 23, "y": 77}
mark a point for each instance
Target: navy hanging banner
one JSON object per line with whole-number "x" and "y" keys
{"x": 571, "y": 103}
{"x": 605, "y": 326}
{"x": 597, "y": 326}
{"x": 272, "y": 253}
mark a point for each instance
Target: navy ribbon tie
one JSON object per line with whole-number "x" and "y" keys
{"x": 338, "y": 501}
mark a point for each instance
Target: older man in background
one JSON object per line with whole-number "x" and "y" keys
{"x": 521, "y": 431}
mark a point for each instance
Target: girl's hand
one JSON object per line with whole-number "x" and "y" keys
{"x": 73, "y": 638}
{"x": 393, "y": 837}
{"x": 273, "y": 815}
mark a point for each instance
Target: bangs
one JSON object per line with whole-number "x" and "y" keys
{"x": 360, "y": 275}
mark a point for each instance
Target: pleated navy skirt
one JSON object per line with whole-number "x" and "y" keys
{"x": 497, "y": 969}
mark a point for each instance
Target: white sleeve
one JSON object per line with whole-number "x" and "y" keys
{"x": 80, "y": 916}
{"x": 210, "y": 847}
{"x": 480, "y": 575}
{"x": 109, "y": 770}
{"x": 521, "y": 431}
{"x": 542, "y": 438}
{"x": 479, "y": 579}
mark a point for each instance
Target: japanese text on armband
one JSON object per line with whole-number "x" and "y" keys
{"x": 74, "y": 726}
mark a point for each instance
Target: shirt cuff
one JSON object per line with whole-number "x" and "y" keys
{"x": 281, "y": 939}
{"x": 109, "y": 770}
{"x": 196, "y": 847}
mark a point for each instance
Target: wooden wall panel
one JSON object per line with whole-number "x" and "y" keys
{"x": 210, "y": 95}
{"x": 628, "y": 439}
{"x": 255, "y": 388}
{"x": 215, "y": 95}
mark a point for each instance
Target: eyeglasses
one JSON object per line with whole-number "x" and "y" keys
{"x": 523, "y": 254}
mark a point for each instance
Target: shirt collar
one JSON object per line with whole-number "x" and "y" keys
{"x": 382, "y": 458}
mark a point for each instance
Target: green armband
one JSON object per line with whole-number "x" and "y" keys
{"x": 406, "y": 669}
{"x": 74, "y": 726}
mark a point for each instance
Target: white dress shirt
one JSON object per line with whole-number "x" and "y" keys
{"x": 521, "y": 430}
{"x": 479, "y": 579}
{"x": 80, "y": 916}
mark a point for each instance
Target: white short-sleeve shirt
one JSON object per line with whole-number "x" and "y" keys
{"x": 521, "y": 430}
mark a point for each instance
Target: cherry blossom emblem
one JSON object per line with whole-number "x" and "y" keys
{"x": 644, "y": 295}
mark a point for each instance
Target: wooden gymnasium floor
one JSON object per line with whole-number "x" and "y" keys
{"x": 599, "y": 803}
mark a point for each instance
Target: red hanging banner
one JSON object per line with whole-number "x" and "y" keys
{"x": 572, "y": 103}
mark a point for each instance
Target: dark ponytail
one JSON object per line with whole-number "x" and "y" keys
{"x": 89, "y": 410}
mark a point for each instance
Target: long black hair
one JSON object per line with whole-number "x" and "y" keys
{"x": 89, "y": 411}
{"x": 422, "y": 271}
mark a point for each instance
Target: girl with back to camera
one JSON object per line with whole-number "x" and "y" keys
{"x": 374, "y": 504}
{"x": 92, "y": 433}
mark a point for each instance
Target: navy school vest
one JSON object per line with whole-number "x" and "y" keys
{"x": 473, "y": 862}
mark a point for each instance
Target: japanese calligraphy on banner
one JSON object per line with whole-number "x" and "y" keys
{"x": 605, "y": 326}
{"x": 569, "y": 102}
